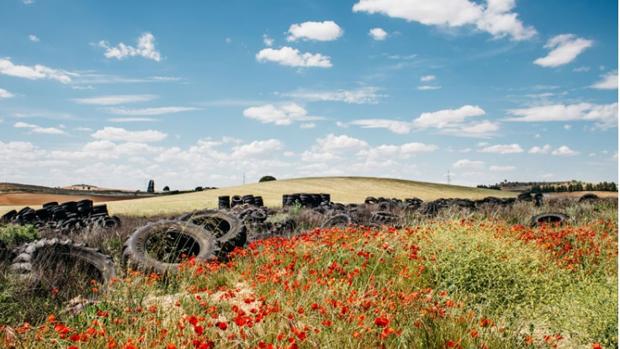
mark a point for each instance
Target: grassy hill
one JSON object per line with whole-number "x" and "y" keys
{"x": 342, "y": 189}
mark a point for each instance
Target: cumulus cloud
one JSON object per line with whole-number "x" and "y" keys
{"x": 292, "y": 57}
{"x": 564, "y": 49}
{"x": 319, "y": 31}
{"x": 35, "y": 72}
{"x": 378, "y": 34}
{"x": 448, "y": 121}
{"x": 38, "y": 129}
{"x": 281, "y": 115}
{"x": 114, "y": 99}
{"x": 267, "y": 40}
{"x": 123, "y": 135}
{"x": 145, "y": 49}
{"x": 496, "y": 18}
{"x": 256, "y": 148}
{"x": 363, "y": 95}
{"x": 545, "y": 149}
{"x": 33, "y": 38}
{"x": 564, "y": 151}
{"x": 468, "y": 164}
{"x": 447, "y": 117}
{"x": 608, "y": 81}
{"x": 603, "y": 115}
{"x": 5, "y": 94}
{"x": 150, "y": 111}
{"x": 395, "y": 126}
{"x": 496, "y": 168}
{"x": 427, "y": 78}
{"x": 502, "y": 149}
{"x": 428, "y": 87}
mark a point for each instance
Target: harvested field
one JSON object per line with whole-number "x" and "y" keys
{"x": 34, "y": 199}
{"x": 342, "y": 189}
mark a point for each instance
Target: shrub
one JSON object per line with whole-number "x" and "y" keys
{"x": 266, "y": 179}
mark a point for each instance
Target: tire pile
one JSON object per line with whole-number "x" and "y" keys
{"x": 66, "y": 217}
{"x": 306, "y": 200}
{"x": 225, "y": 202}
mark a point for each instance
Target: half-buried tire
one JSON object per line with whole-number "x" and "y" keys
{"x": 161, "y": 246}
{"x": 340, "y": 220}
{"x": 227, "y": 229}
{"x": 548, "y": 218}
{"x": 36, "y": 259}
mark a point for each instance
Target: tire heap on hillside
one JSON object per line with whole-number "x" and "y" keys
{"x": 65, "y": 217}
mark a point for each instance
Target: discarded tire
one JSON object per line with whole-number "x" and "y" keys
{"x": 32, "y": 258}
{"x": 339, "y": 220}
{"x": 383, "y": 217}
{"x": 548, "y": 218}
{"x": 223, "y": 202}
{"x": 228, "y": 230}
{"x": 588, "y": 198}
{"x": 160, "y": 246}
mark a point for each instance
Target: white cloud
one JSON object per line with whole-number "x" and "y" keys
{"x": 447, "y": 117}
{"x": 468, "y": 164}
{"x": 38, "y": 129}
{"x": 114, "y": 99}
{"x": 603, "y": 115}
{"x": 495, "y": 168}
{"x": 284, "y": 114}
{"x": 34, "y": 72}
{"x": 5, "y": 94}
{"x": 319, "y": 31}
{"x": 399, "y": 127}
{"x": 33, "y": 38}
{"x": 28, "y": 2}
{"x": 267, "y": 40}
{"x": 428, "y": 87}
{"x": 496, "y": 18}
{"x": 341, "y": 142}
{"x": 307, "y": 125}
{"x": 540, "y": 150}
{"x": 609, "y": 81}
{"x": 502, "y": 149}
{"x": 123, "y": 135}
{"x": 427, "y": 78}
{"x": 132, "y": 119}
{"x": 448, "y": 121}
{"x": 564, "y": 49}
{"x": 378, "y": 34}
{"x": 363, "y": 95}
{"x": 564, "y": 151}
{"x": 256, "y": 148}
{"x": 291, "y": 57}
{"x": 145, "y": 49}
{"x": 150, "y": 111}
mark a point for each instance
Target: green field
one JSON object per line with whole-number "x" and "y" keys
{"x": 342, "y": 189}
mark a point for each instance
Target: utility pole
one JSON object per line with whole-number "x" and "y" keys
{"x": 448, "y": 176}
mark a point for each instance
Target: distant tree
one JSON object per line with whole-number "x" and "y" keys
{"x": 166, "y": 189}
{"x": 198, "y": 189}
{"x": 266, "y": 179}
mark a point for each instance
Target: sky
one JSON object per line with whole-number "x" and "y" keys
{"x": 204, "y": 93}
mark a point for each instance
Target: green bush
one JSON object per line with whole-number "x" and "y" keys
{"x": 14, "y": 235}
{"x": 266, "y": 179}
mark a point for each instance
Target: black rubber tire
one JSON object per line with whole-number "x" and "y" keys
{"x": 135, "y": 249}
{"x": 228, "y": 236}
{"x": 384, "y": 217}
{"x": 27, "y": 254}
{"x": 340, "y": 220}
{"x": 8, "y": 217}
{"x": 548, "y": 218}
{"x": 589, "y": 197}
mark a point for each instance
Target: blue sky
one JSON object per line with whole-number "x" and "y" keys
{"x": 114, "y": 93}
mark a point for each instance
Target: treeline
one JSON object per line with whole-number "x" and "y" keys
{"x": 555, "y": 187}
{"x": 563, "y": 188}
